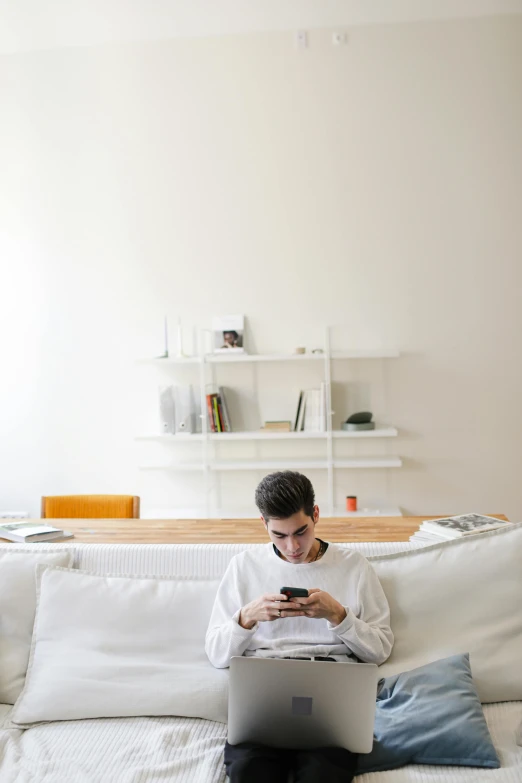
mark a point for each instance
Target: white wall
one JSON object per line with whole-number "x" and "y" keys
{"x": 376, "y": 187}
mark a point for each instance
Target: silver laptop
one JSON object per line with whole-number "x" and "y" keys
{"x": 302, "y": 704}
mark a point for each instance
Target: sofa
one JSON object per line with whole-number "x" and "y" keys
{"x": 70, "y": 715}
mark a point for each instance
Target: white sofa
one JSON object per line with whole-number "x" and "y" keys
{"x": 189, "y": 750}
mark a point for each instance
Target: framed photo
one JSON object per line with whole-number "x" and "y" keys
{"x": 229, "y": 331}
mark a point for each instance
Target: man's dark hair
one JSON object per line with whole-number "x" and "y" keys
{"x": 283, "y": 494}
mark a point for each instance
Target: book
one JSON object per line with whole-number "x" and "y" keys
{"x": 314, "y": 415}
{"x": 277, "y": 426}
{"x": 302, "y": 409}
{"x": 426, "y": 538}
{"x": 222, "y": 403}
{"x": 300, "y": 403}
{"x": 210, "y": 411}
{"x": 217, "y": 418}
{"x": 29, "y": 532}
{"x": 448, "y": 528}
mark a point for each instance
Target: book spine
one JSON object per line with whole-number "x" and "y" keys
{"x": 223, "y": 402}
{"x": 210, "y": 410}
{"x": 299, "y": 403}
{"x": 302, "y": 412}
{"x": 220, "y": 414}
{"x": 216, "y": 413}
{"x": 311, "y": 423}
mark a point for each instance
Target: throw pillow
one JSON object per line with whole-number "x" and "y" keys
{"x": 17, "y": 608}
{"x": 455, "y": 597}
{"x": 430, "y": 715}
{"x": 119, "y": 646}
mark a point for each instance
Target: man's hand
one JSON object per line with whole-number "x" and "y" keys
{"x": 322, "y": 606}
{"x": 268, "y": 608}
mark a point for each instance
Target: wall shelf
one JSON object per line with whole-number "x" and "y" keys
{"x": 283, "y": 464}
{"x": 381, "y": 432}
{"x": 238, "y": 358}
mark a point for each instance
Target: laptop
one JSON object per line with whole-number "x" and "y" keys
{"x": 302, "y": 704}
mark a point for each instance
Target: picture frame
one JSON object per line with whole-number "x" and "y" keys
{"x": 229, "y": 333}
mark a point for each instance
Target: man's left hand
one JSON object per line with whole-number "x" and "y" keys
{"x": 322, "y": 606}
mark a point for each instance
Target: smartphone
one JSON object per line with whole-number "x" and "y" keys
{"x": 294, "y": 592}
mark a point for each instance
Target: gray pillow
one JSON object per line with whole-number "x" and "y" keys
{"x": 430, "y": 715}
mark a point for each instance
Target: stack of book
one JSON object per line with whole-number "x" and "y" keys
{"x": 433, "y": 531}
{"x": 31, "y": 532}
{"x": 277, "y": 426}
{"x": 311, "y": 410}
{"x": 218, "y": 418}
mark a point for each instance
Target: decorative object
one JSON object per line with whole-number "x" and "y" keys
{"x": 180, "y": 353}
{"x": 17, "y": 608}
{"x": 228, "y": 334}
{"x": 359, "y": 422}
{"x": 351, "y": 503}
{"x": 300, "y": 350}
{"x": 317, "y": 350}
{"x": 102, "y": 648}
{"x": 165, "y": 354}
{"x": 459, "y": 596}
{"x": 443, "y": 724}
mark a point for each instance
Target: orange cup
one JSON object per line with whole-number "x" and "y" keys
{"x": 351, "y": 503}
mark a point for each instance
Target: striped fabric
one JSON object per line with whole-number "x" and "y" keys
{"x": 88, "y": 507}
{"x": 188, "y": 750}
{"x": 183, "y": 560}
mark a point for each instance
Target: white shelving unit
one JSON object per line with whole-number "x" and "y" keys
{"x": 209, "y": 465}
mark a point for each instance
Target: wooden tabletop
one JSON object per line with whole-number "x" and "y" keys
{"x": 230, "y": 531}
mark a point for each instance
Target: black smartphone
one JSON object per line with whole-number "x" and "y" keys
{"x": 294, "y": 592}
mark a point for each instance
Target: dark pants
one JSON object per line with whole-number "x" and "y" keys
{"x": 249, "y": 762}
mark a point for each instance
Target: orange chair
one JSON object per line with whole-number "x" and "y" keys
{"x": 91, "y": 507}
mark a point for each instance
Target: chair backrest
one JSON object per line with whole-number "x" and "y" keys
{"x": 91, "y": 507}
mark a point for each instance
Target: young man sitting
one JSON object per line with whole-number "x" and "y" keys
{"x": 346, "y": 617}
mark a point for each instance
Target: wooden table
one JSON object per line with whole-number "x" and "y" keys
{"x": 230, "y": 531}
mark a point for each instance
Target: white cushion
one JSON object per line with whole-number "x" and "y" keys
{"x": 109, "y": 646}
{"x": 459, "y": 596}
{"x": 17, "y": 608}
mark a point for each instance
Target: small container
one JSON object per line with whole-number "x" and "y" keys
{"x": 351, "y": 503}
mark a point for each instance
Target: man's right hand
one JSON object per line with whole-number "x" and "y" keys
{"x": 267, "y": 608}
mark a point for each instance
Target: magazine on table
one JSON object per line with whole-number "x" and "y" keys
{"x": 448, "y": 528}
{"x": 30, "y": 532}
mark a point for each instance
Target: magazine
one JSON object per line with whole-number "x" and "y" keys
{"x": 458, "y": 526}
{"x": 229, "y": 331}
{"x": 27, "y": 532}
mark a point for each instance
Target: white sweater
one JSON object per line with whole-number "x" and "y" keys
{"x": 365, "y": 631}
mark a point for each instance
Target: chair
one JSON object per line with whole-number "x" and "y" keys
{"x": 91, "y": 507}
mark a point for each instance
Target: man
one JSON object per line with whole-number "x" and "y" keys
{"x": 346, "y": 617}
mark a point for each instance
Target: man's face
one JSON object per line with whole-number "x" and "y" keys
{"x": 293, "y": 536}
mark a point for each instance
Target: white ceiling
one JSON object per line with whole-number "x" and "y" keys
{"x": 42, "y": 24}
